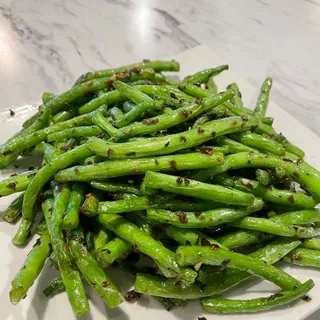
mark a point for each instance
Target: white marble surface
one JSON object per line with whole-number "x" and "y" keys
{"x": 46, "y": 45}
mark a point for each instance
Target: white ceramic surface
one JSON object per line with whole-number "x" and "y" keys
{"x": 36, "y": 306}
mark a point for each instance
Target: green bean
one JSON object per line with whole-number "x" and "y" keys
{"x": 170, "y": 95}
{"x": 64, "y": 115}
{"x": 30, "y": 269}
{"x": 259, "y": 142}
{"x": 156, "y": 65}
{"x": 134, "y": 114}
{"x": 237, "y": 98}
{"x": 101, "y": 238}
{"x": 105, "y": 124}
{"x": 89, "y": 87}
{"x": 85, "y": 131}
{"x": 112, "y": 251}
{"x": 197, "y": 189}
{"x": 49, "y": 151}
{"x": 23, "y": 142}
{"x": 275, "y": 227}
{"x": 14, "y": 209}
{"x": 220, "y": 282}
{"x": 256, "y": 305}
{"x": 243, "y": 238}
{"x": 234, "y": 146}
{"x": 30, "y": 121}
{"x": 70, "y": 276}
{"x": 180, "y": 115}
{"x": 111, "y": 186}
{"x": 109, "y": 169}
{"x": 313, "y": 243}
{"x": 211, "y": 86}
{"x": 216, "y": 256}
{"x": 125, "y": 205}
{"x": 95, "y": 275}
{"x": 202, "y": 219}
{"x": 16, "y": 183}
{"x": 55, "y": 286}
{"x": 135, "y": 95}
{"x": 71, "y": 217}
{"x": 271, "y": 194}
{"x": 204, "y": 75}
{"x": 298, "y": 217}
{"x": 171, "y": 143}
{"x": 22, "y": 233}
{"x": 259, "y": 160}
{"x": 182, "y": 236}
{"x": 304, "y": 257}
{"x": 263, "y": 99}
{"x": 264, "y": 177}
{"x": 165, "y": 258}
{"x": 108, "y": 98}
{"x": 46, "y": 173}
{"x": 115, "y": 113}
{"x": 91, "y": 203}
{"x": 41, "y": 227}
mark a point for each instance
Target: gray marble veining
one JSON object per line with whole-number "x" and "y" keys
{"x": 46, "y": 45}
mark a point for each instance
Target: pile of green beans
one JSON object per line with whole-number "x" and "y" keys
{"x": 135, "y": 164}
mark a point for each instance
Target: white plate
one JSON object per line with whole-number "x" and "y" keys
{"x": 37, "y": 306}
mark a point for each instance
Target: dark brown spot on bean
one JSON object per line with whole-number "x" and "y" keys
{"x": 76, "y": 171}
{"x": 179, "y": 180}
{"x": 135, "y": 70}
{"x": 173, "y": 95}
{"x": 105, "y": 284}
{"x": 151, "y": 121}
{"x": 184, "y": 113}
{"x": 173, "y": 165}
{"x": 166, "y": 144}
{"x": 234, "y": 122}
{"x": 110, "y": 152}
{"x": 291, "y": 198}
{"x": 182, "y": 217}
{"x": 207, "y": 150}
{"x": 244, "y": 118}
{"x": 129, "y": 154}
{"x": 186, "y": 181}
{"x": 306, "y": 298}
{"x": 183, "y": 138}
{"x": 297, "y": 257}
{"x": 270, "y": 188}
{"x": 200, "y": 130}
{"x": 13, "y": 174}
{"x": 213, "y": 134}
{"x": 149, "y": 203}
{"x": 199, "y": 101}
{"x": 156, "y": 162}
{"x": 132, "y": 295}
{"x": 11, "y": 185}
{"x": 109, "y": 83}
{"x": 296, "y": 174}
{"x": 197, "y": 214}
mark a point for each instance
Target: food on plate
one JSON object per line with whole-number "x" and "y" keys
{"x": 137, "y": 165}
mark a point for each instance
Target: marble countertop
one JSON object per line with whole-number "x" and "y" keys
{"x": 46, "y": 45}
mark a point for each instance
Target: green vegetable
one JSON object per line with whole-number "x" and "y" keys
{"x": 30, "y": 269}
{"x": 262, "y": 102}
{"x": 14, "y": 209}
{"x": 256, "y": 305}
{"x": 196, "y": 189}
{"x": 111, "y": 169}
